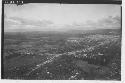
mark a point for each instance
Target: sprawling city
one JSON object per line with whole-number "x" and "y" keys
{"x": 63, "y": 55}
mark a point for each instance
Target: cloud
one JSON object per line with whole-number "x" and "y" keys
{"x": 103, "y": 23}
{"x": 110, "y": 22}
{"x": 21, "y": 24}
{"x": 32, "y": 22}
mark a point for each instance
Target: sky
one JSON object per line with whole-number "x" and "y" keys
{"x": 42, "y": 17}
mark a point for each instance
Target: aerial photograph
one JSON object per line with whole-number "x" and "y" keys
{"x": 51, "y": 41}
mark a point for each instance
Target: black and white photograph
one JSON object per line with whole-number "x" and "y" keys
{"x": 61, "y": 41}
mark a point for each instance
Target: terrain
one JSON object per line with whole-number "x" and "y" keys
{"x": 71, "y": 55}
